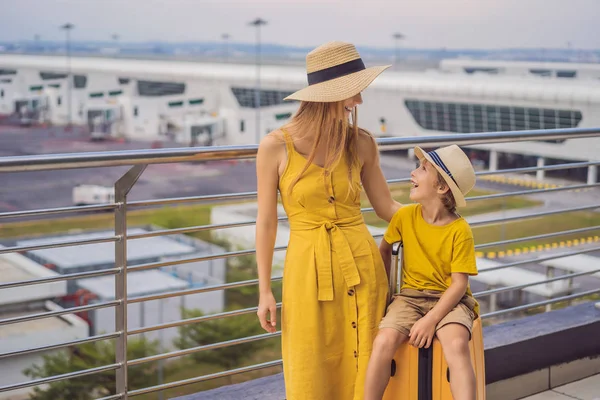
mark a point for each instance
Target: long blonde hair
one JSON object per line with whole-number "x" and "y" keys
{"x": 328, "y": 121}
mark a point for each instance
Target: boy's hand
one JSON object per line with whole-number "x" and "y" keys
{"x": 421, "y": 334}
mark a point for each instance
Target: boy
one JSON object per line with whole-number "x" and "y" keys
{"x": 439, "y": 254}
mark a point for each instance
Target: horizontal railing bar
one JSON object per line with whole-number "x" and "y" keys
{"x": 536, "y": 215}
{"x": 60, "y": 278}
{"x": 142, "y": 267}
{"x": 535, "y": 237}
{"x": 190, "y": 199}
{"x": 62, "y": 377}
{"x": 113, "y": 397}
{"x": 195, "y": 320}
{"x": 534, "y": 260}
{"x": 517, "y": 287}
{"x": 104, "y": 239}
{"x": 198, "y": 290}
{"x": 198, "y": 228}
{"x": 58, "y": 210}
{"x": 210, "y": 153}
{"x": 540, "y": 303}
{"x": 204, "y": 378}
{"x": 56, "y": 313}
{"x": 541, "y": 168}
{"x": 90, "y": 339}
{"x": 532, "y": 191}
{"x": 197, "y": 349}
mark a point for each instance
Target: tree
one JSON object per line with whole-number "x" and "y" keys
{"x": 219, "y": 330}
{"x": 92, "y": 355}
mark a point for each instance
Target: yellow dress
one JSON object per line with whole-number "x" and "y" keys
{"x": 334, "y": 284}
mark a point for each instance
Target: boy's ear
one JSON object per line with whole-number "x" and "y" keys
{"x": 443, "y": 188}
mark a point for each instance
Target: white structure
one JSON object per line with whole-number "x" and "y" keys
{"x": 152, "y": 312}
{"x": 523, "y": 68}
{"x": 203, "y": 103}
{"x": 514, "y": 276}
{"x": 27, "y": 300}
{"x": 243, "y": 237}
{"x": 90, "y": 257}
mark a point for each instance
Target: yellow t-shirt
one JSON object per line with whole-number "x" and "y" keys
{"x": 432, "y": 253}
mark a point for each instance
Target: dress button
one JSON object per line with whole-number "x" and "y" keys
{"x": 351, "y": 292}
{"x": 331, "y": 199}
{"x": 354, "y": 325}
{"x": 355, "y": 353}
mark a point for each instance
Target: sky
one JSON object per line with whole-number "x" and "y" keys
{"x": 451, "y": 24}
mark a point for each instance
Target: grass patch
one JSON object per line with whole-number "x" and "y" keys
{"x": 537, "y": 226}
{"x": 167, "y": 217}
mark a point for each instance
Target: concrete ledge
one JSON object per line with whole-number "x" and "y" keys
{"x": 522, "y": 357}
{"x": 529, "y": 344}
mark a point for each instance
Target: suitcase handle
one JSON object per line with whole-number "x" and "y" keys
{"x": 395, "y": 282}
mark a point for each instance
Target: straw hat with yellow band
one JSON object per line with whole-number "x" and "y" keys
{"x": 455, "y": 167}
{"x": 335, "y": 72}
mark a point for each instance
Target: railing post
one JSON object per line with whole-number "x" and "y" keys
{"x": 122, "y": 188}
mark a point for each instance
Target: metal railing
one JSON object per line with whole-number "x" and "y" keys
{"x": 138, "y": 160}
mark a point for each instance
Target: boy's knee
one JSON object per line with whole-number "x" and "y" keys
{"x": 387, "y": 340}
{"x": 457, "y": 348}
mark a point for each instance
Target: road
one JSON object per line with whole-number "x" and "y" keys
{"x": 47, "y": 189}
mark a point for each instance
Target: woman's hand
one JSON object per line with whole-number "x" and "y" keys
{"x": 267, "y": 312}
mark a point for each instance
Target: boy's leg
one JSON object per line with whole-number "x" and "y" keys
{"x": 393, "y": 331}
{"x": 454, "y": 332}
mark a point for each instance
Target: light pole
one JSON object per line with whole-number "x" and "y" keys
{"x": 67, "y": 28}
{"x": 257, "y": 23}
{"x": 115, "y": 37}
{"x": 225, "y": 37}
{"x": 397, "y": 37}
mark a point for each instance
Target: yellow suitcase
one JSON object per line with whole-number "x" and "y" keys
{"x": 423, "y": 374}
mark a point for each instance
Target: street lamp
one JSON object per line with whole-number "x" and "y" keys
{"x": 397, "y": 37}
{"x": 67, "y": 28}
{"x": 257, "y": 23}
{"x": 225, "y": 37}
{"x": 115, "y": 37}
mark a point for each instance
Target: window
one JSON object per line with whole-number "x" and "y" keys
{"x": 566, "y": 74}
{"x": 58, "y": 100}
{"x": 472, "y": 70}
{"x": 1, "y": 92}
{"x": 279, "y": 117}
{"x": 154, "y": 88}
{"x": 52, "y": 75}
{"x": 80, "y": 81}
{"x": 247, "y": 97}
{"x": 135, "y": 111}
{"x": 176, "y": 103}
{"x": 541, "y": 72}
{"x": 35, "y": 88}
{"x": 124, "y": 81}
{"x": 193, "y": 102}
{"x": 115, "y": 92}
{"x": 242, "y": 126}
{"x": 7, "y": 71}
{"x": 54, "y": 85}
{"x": 96, "y": 95}
{"x": 468, "y": 118}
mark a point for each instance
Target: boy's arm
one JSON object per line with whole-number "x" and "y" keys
{"x": 386, "y": 254}
{"x": 422, "y": 332}
{"x": 450, "y": 298}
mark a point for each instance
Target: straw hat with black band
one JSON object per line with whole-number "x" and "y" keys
{"x": 335, "y": 72}
{"x": 455, "y": 167}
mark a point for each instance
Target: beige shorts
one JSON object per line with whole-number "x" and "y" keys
{"x": 411, "y": 305}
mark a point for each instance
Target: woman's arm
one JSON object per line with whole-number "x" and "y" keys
{"x": 267, "y": 176}
{"x": 374, "y": 182}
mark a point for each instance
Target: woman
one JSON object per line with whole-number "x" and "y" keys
{"x": 334, "y": 282}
